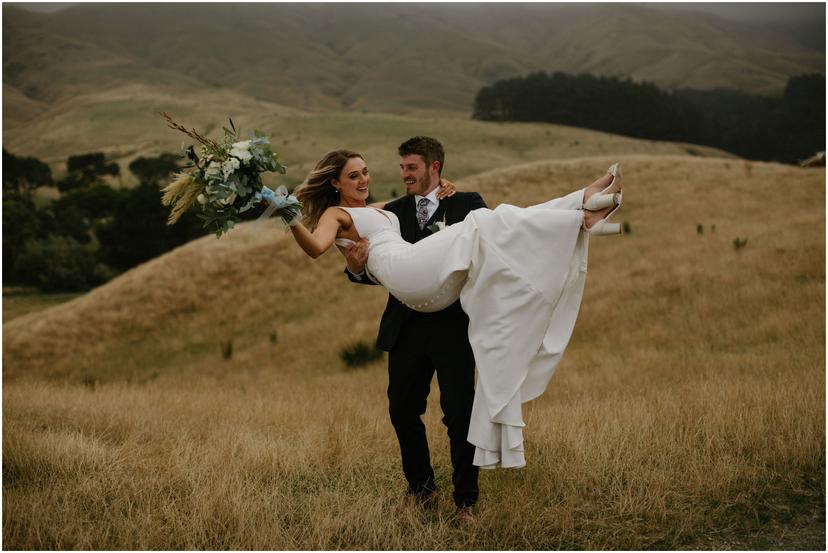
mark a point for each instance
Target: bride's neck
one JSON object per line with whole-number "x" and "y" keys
{"x": 347, "y": 202}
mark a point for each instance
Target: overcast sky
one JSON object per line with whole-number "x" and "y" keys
{"x": 752, "y": 12}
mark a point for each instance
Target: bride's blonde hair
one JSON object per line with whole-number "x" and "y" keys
{"x": 317, "y": 193}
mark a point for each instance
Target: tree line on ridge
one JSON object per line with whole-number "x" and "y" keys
{"x": 785, "y": 129}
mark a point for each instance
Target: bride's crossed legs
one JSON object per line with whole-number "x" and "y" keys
{"x": 597, "y": 187}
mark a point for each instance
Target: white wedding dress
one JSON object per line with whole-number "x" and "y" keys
{"x": 519, "y": 274}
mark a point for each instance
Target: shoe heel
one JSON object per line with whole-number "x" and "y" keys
{"x": 602, "y": 228}
{"x": 597, "y": 202}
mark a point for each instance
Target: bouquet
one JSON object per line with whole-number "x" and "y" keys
{"x": 226, "y": 180}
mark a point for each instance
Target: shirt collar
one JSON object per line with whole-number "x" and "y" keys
{"x": 432, "y": 197}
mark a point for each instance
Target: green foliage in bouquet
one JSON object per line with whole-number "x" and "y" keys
{"x": 225, "y": 180}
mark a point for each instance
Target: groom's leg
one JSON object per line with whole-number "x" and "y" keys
{"x": 409, "y": 381}
{"x": 454, "y": 361}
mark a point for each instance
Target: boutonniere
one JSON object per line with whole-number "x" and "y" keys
{"x": 437, "y": 226}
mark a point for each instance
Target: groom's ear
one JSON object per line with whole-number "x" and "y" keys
{"x": 436, "y": 166}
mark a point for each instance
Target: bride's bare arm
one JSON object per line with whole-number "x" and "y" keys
{"x": 317, "y": 242}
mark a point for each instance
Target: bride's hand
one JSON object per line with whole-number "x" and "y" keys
{"x": 446, "y": 190}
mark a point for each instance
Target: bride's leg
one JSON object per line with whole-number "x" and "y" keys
{"x": 576, "y": 199}
{"x": 592, "y": 217}
{"x": 573, "y": 200}
{"x": 599, "y": 185}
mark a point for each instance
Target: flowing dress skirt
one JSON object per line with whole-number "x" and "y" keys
{"x": 519, "y": 274}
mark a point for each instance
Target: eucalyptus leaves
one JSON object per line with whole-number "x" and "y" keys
{"x": 226, "y": 180}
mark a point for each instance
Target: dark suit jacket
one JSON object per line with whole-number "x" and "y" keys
{"x": 454, "y": 209}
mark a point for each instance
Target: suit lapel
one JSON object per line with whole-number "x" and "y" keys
{"x": 408, "y": 221}
{"x": 410, "y": 229}
{"x": 442, "y": 207}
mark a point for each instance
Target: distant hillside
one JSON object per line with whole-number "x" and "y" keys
{"x": 382, "y": 57}
{"x": 124, "y": 124}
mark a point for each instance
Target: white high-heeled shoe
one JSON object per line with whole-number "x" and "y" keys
{"x": 602, "y": 200}
{"x": 604, "y": 227}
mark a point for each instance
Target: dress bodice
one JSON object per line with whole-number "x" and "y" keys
{"x": 369, "y": 221}
{"x": 378, "y": 226}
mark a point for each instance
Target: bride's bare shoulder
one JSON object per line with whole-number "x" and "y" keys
{"x": 335, "y": 213}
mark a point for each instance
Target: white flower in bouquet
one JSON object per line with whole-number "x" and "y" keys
{"x": 229, "y": 166}
{"x": 241, "y": 150}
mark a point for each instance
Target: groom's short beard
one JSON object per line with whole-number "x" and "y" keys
{"x": 420, "y": 185}
{"x": 424, "y": 184}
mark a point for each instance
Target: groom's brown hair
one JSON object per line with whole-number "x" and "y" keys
{"x": 429, "y": 148}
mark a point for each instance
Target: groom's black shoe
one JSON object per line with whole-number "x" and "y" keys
{"x": 466, "y": 516}
{"x": 427, "y": 501}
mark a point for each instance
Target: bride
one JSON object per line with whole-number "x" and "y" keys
{"x": 519, "y": 274}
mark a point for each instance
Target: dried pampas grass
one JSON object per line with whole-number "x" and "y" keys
{"x": 181, "y": 193}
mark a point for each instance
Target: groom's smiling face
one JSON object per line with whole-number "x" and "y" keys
{"x": 415, "y": 175}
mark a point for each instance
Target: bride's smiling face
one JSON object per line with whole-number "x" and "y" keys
{"x": 353, "y": 181}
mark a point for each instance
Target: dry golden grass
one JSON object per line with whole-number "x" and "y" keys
{"x": 689, "y": 407}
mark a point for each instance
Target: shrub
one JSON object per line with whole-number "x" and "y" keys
{"x": 57, "y": 264}
{"x": 85, "y": 169}
{"x": 21, "y": 223}
{"x": 226, "y": 349}
{"x": 155, "y": 170}
{"x": 22, "y": 175}
{"x": 138, "y": 230}
{"x": 95, "y": 201}
{"x": 359, "y": 354}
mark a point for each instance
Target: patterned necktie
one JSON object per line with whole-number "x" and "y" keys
{"x": 422, "y": 212}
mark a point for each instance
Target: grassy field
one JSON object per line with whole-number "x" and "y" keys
{"x": 688, "y": 412}
{"x": 18, "y": 301}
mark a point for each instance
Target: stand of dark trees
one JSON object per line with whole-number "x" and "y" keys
{"x": 785, "y": 129}
{"x": 92, "y": 231}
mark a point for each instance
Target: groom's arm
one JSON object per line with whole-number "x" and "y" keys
{"x": 355, "y": 258}
{"x": 476, "y": 201}
{"x": 467, "y": 202}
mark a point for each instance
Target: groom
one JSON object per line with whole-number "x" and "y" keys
{"x": 420, "y": 344}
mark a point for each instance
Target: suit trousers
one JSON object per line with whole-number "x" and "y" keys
{"x": 429, "y": 343}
